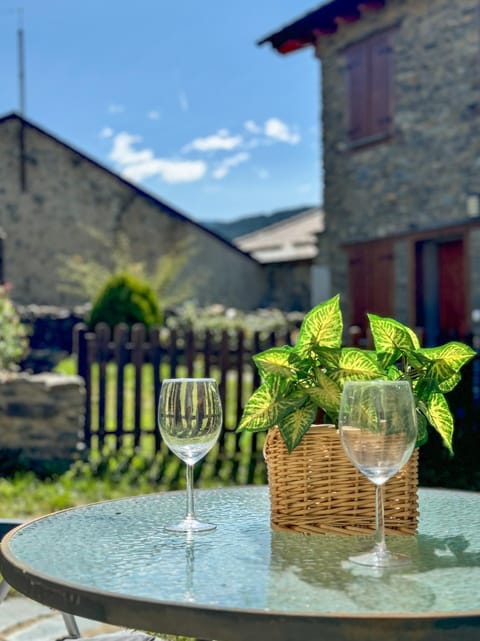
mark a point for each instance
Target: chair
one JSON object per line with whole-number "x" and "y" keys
{"x": 72, "y": 628}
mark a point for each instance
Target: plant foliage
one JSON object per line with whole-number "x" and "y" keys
{"x": 299, "y": 380}
{"x": 13, "y": 333}
{"x": 126, "y": 299}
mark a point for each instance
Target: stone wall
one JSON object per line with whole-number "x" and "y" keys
{"x": 41, "y": 420}
{"x": 421, "y": 176}
{"x": 47, "y": 210}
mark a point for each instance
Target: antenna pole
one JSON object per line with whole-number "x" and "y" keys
{"x": 21, "y": 63}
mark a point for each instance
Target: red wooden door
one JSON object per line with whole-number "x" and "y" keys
{"x": 371, "y": 282}
{"x": 451, "y": 285}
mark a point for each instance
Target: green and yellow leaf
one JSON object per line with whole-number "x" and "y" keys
{"x": 328, "y": 357}
{"x": 275, "y": 361}
{"x": 390, "y": 336}
{"x": 356, "y": 365}
{"x": 294, "y": 424}
{"x": 266, "y": 406}
{"x": 440, "y": 418}
{"x": 322, "y": 326}
{"x": 422, "y": 433}
{"x": 326, "y": 394}
{"x": 455, "y": 354}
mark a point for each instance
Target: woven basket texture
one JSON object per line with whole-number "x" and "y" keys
{"x": 316, "y": 489}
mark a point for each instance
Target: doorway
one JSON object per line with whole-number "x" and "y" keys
{"x": 440, "y": 290}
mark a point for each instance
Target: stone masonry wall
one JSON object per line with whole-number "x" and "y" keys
{"x": 421, "y": 176}
{"x": 66, "y": 193}
{"x": 41, "y": 419}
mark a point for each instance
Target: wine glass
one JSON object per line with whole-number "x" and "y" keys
{"x": 378, "y": 430}
{"x": 190, "y": 419}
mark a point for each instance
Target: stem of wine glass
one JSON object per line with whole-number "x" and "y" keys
{"x": 190, "y": 505}
{"x": 380, "y": 547}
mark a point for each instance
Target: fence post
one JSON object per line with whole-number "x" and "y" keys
{"x": 102, "y": 332}
{"x": 155, "y": 359}
{"x": 138, "y": 344}
{"x": 80, "y": 348}
{"x": 120, "y": 337}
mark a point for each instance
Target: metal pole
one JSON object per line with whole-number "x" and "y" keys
{"x": 21, "y": 62}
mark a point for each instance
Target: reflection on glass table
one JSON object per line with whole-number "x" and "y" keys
{"x": 115, "y": 562}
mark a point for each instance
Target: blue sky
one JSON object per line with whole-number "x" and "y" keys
{"x": 176, "y": 96}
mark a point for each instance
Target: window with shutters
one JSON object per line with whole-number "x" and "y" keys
{"x": 369, "y": 66}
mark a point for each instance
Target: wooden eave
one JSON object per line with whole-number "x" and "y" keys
{"x": 322, "y": 21}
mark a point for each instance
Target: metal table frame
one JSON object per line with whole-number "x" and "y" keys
{"x": 212, "y": 621}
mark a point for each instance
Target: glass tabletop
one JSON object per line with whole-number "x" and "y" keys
{"x": 121, "y": 547}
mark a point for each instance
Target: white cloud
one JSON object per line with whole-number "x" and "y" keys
{"x": 107, "y": 132}
{"x": 115, "y": 109}
{"x": 171, "y": 171}
{"x": 275, "y": 128}
{"x": 252, "y": 127}
{"x": 224, "y": 167}
{"x": 153, "y": 115}
{"x": 222, "y": 140}
{"x": 123, "y": 152}
{"x": 183, "y": 101}
{"x": 140, "y": 164}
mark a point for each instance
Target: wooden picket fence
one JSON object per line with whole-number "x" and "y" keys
{"x": 123, "y": 372}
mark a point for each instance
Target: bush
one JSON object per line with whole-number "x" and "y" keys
{"x": 13, "y": 333}
{"x": 125, "y": 299}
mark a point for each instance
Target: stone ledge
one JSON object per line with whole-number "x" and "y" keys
{"x": 41, "y": 419}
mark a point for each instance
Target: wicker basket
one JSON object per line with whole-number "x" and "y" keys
{"x": 316, "y": 489}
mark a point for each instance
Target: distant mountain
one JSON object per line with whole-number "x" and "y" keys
{"x": 248, "y": 224}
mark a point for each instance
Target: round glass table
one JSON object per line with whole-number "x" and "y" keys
{"x": 115, "y": 562}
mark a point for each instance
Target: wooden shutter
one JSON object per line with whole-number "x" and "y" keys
{"x": 369, "y": 67}
{"x": 381, "y": 81}
{"x": 357, "y": 91}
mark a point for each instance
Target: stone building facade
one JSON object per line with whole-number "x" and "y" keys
{"x": 51, "y": 194}
{"x": 401, "y": 131}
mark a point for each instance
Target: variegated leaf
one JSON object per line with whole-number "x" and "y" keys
{"x": 356, "y": 365}
{"x": 265, "y": 407}
{"x": 327, "y": 357}
{"x": 422, "y": 432}
{"x": 326, "y": 394}
{"x": 450, "y": 384}
{"x": 439, "y": 416}
{"x": 294, "y": 424}
{"x": 322, "y": 326}
{"x": 274, "y": 361}
{"x": 390, "y": 335}
{"x": 455, "y": 354}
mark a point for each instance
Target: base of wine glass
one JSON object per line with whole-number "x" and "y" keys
{"x": 190, "y": 524}
{"x": 380, "y": 559}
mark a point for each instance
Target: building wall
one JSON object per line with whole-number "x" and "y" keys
{"x": 421, "y": 176}
{"x": 289, "y": 285}
{"x": 65, "y": 194}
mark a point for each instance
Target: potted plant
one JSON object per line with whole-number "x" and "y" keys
{"x": 300, "y": 381}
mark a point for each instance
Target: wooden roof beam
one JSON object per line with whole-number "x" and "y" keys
{"x": 371, "y": 5}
